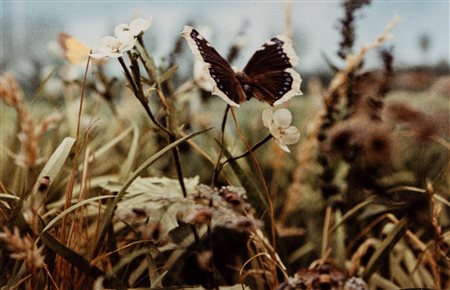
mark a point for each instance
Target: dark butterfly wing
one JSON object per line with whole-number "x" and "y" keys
{"x": 270, "y": 71}
{"x": 218, "y": 72}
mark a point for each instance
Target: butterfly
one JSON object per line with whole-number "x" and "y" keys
{"x": 269, "y": 75}
{"x": 75, "y": 52}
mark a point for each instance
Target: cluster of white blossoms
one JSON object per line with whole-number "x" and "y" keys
{"x": 279, "y": 124}
{"x": 123, "y": 40}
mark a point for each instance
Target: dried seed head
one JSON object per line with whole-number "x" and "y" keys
{"x": 355, "y": 283}
{"x": 242, "y": 224}
{"x": 200, "y": 216}
{"x": 23, "y": 248}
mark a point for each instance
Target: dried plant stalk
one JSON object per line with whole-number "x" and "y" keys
{"x": 12, "y": 95}
{"x": 23, "y": 248}
{"x": 353, "y": 61}
{"x": 336, "y": 90}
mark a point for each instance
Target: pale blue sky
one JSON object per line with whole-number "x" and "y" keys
{"x": 314, "y": 23}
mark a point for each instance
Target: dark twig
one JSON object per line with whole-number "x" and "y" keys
{"x": 246, "y": 153}
{"x": 218, "y": 167}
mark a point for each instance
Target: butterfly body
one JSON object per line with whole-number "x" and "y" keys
{"x": 268, "y": 76}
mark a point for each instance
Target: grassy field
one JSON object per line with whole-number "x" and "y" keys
{"x": 147, "y": 181}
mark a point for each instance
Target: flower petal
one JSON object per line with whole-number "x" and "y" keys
{"x": 127, "y": 41}
{"x": 275, "y": 132}
{"x": 107, "y": 42}
{"x": 121, "y": 28}
{"x": 103, "y": 54}
{"x": 282, "y": 146}
{"x": 140, "y": 25}
{"x": 267, "y": 117}
{"x": 291, "y": 135}
{"x": 98, "y": 55}
{"x": 282, "y": 118}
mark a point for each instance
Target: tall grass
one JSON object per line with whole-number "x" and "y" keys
{"x": 149, "y": 182}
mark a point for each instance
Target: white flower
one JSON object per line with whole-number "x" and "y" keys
{"x": 136, "y": 27}
{"x": 115, "y": 46}
{"x": 279, "y": 124}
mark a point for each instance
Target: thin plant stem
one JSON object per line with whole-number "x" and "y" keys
{"x": 137, "y": 90}
{"x": 176, "y": 155}
{"x": 149, "y": 65}
{"x": 141, "y": 98}
{"x": 63, "y": 238}
{"x": 218, "y": 166}
{"x": 266, "y": 191}
{"x": 128, "y": 76}
{"x": 249, "y": 151}
{"x": 77, "y": 151}
{"x": 212, "y": 277}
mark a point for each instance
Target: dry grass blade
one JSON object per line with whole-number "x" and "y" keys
{"x": 384, "y": 247}
{"x": 106, "y": 217}
{"x": 441, "y": 199}
{"x": 109, "y": 145}
{"x": 362, "y": 205}
{"x": 168, "y": 74}
{"x": 132, "y": 153}
{"x": 351, "y": 212}
{"x": 8, "y": 196}
{"x": 76, "y": 259}
{"x": 378, "y": 281}
{"x": 74, "y": 207}
{"x": 55, "y": 163}
{"x": 128, "y": 259}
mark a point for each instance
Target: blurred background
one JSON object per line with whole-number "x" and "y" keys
{"x": 30, "y": 28}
